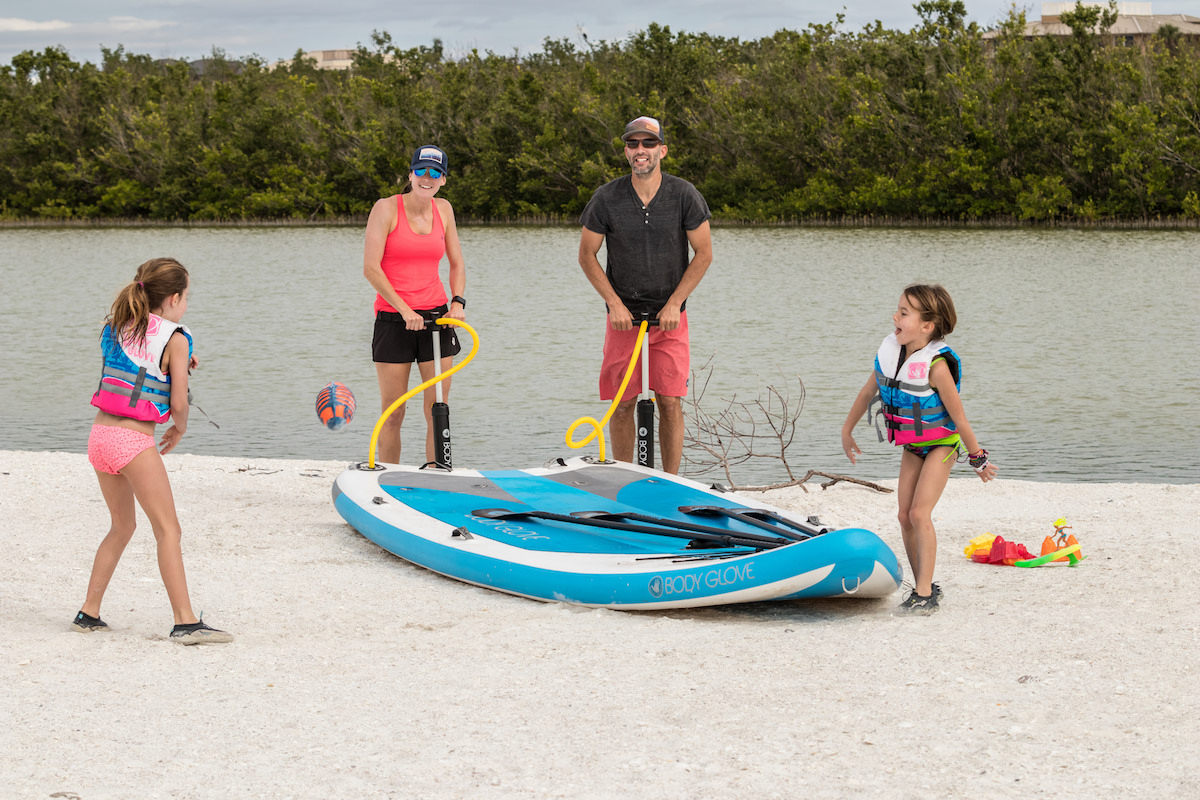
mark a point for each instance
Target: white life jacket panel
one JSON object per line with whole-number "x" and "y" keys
{"x": 132, "y": 383}
{"x": 911, "y": 409}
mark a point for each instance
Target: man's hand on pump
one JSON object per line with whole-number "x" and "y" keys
{"x": 668, "y": 317}
{"x": 619, "y": 317}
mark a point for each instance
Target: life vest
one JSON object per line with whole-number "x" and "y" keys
{"x": 911, "y": 409}
{"x": 132, "y": 383}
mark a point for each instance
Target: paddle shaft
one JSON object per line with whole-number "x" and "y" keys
{"x": 752, "y": 517}
{"x": 688, "y": 526}
{"x": 730, "y": 540}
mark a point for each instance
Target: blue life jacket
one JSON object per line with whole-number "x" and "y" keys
{"x": 132, "y": 383}
{"x": 912, "y": 410}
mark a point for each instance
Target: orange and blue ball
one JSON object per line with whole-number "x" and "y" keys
{"x": 335, "y": 405}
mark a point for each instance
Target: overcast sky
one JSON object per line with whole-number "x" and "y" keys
{"x": 274, "y": 29}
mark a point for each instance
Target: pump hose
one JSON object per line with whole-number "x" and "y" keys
{"x": 404, "y": 398}
{"x": 598, "y": 427}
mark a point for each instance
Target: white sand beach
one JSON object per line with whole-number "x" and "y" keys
{"x": 355, "y": 674}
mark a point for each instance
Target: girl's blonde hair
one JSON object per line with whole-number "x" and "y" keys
{"x": 935, "y": 305}
{"x": 156, "y": 281}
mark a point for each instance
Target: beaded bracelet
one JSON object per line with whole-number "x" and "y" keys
{"x": 979, "y": 461}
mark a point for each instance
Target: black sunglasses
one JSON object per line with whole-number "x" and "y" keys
{"x": 649, "y": 144}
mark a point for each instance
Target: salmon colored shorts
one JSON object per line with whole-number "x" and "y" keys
{"x": 110, "y": 449}
{"x": 669, "y": 361}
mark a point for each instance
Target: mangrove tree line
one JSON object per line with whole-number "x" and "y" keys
{"x": 937, "y": 121}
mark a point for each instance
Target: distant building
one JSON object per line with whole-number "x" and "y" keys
{"x": 1136, "y": 24}
{"x": 325, "y": 59}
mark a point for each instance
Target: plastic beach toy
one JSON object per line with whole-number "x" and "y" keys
{"x": 989, "y": 549}
{"x": 1061, "y": 546}
{"x": 979, "y": 544}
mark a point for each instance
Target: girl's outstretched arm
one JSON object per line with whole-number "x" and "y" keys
{"x": 861, "y": 404}
{"x": 942, "y": 382}
{"x": 176, "y": 353}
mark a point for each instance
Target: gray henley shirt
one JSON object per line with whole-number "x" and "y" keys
{"x": 647, "y": 244}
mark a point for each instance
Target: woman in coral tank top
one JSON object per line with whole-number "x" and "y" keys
{"x": 408, "y": 234}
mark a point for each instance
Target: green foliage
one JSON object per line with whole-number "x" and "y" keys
{"x": 1191, "y": 205}
{"x": 933, "y": 122}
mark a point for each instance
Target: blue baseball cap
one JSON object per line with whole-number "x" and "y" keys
{"x": 429, "y": 155}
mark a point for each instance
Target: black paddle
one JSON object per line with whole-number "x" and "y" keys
{"x": 674, "y": 523}
{"x": 674, "y": 530}
{"x": 759, "y": 518}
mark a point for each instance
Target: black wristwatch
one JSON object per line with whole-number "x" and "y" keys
{"x": 459, "y": 299}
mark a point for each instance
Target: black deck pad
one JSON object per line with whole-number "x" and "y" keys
{"x": 441, "y": 482}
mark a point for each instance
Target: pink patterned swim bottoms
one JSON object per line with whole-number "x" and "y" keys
{"x": 110, "y": 449}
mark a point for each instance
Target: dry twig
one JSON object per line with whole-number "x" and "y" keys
{"x": 832, "y": 480}
{"x": 761, "y": 428}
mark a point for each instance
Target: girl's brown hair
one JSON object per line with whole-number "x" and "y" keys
{"x": 935, "y": 305}
{"x": 156, "y": 281}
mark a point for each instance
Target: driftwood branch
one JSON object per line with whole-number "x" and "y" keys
{"x": 763, "y": 427}
{"x": 832, "y": 480}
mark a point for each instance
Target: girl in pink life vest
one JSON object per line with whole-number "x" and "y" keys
{"x": 144, "y": 381}
{"x": 917, "y": 376}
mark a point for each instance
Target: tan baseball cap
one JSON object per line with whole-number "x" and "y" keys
{"x": 647, "y": 125}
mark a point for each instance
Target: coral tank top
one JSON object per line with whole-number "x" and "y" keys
{"x": 410, "y": 262}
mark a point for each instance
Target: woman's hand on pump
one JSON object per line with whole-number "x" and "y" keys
{"x": 413, "y": 321}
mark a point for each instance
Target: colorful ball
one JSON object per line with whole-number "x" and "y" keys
{"x": 335, "y": 405}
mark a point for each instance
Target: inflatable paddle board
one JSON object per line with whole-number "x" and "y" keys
{"x": 608, "y": 534}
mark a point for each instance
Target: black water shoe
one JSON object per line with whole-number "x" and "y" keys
{"x": 918, "y": 605}
{"x": 199, "y": 633}
{"x": 87, "y": 624}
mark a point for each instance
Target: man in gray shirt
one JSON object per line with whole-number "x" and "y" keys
{"x": 648, "y": 220}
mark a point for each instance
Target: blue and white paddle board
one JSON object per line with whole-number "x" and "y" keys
{"x": 608, "y": 534}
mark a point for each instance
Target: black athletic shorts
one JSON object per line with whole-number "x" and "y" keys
{"x": 395, "y": 344}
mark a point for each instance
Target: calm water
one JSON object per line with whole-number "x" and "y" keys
{"x": 1080, "y": 348}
